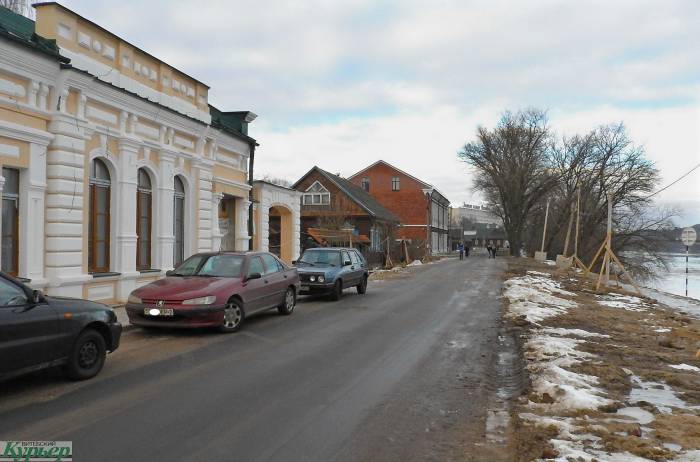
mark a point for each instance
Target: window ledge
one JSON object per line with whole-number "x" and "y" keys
{"x": 149, "y": 271}
{"x": 105, "y": 275}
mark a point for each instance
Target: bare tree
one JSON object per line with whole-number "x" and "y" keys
{"x": 19, "y": 6}
{"x": 276, "y": 180}
{"x": 513, "y": 168}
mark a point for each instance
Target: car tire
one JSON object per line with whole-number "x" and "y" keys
{"x": 337, "y": 291}
{"x": 87, "y": 356}
{"x": 233, "y": 317}
{"x": 290, "y": 301}
{"x": 362, "y": 286}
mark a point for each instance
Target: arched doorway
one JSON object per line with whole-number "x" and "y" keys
{"x": 280, "y": 236}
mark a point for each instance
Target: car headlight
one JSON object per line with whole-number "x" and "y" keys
{"x": 208, "y": 300}
{"x": 321, "y": 279}
{"x": 312, "y": 278}
{"x": 133, "y": 299}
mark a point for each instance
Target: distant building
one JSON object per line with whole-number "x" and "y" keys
{"x": 476, "y": 225}
{"x": 475, "y": 214}
{"x": 422, "y": 209}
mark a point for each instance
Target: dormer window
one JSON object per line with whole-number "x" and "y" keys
{"x": 317, "y": 194}
{"x": 365, "y": 184}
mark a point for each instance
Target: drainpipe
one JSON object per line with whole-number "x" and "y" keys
{"x": 250, "y": 195}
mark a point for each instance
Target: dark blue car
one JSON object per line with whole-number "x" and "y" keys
{"x": 330, "y": 270}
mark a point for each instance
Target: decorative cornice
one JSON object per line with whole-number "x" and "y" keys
{"x": 24, "y": 133}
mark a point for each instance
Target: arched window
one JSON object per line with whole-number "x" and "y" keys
{"x": 179, "y": 222}
{"x": 144, "y": 213}
{"x": 98, "y": 233}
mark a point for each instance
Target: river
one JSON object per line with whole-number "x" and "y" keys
{"x": 673, "y": 281}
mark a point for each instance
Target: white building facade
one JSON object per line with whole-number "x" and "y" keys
{"x": 114, "y": 166}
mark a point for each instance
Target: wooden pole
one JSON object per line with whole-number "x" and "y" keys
{"x": 568, "y": 231}
{"x": 544, "y": 230}
{"x": 578, "y": 217}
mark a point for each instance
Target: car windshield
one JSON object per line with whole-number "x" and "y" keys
{"x": 321, "y": 258}
{"x": 226, "y": 266}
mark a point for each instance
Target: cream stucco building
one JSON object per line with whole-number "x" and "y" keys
{"x": 114, "y": 166}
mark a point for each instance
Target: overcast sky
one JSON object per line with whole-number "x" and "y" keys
{"x": 342, "y": 84}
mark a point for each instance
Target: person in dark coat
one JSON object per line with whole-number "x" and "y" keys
{"x": 488, "y": 249}
{"x": 460, "y": 247}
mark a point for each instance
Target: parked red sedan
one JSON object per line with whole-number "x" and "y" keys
{"x": 218, "y": 289}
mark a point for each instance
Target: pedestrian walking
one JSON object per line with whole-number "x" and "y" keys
{"x": 488, "y": 249}
{"x": 466, "y": 251}
{"x": 495, "y": 249}
{"x": 460, "y": 247}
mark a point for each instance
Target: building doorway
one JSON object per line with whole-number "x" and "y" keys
{"x": 227, "y": 222}
{"x": 280, "y": 234}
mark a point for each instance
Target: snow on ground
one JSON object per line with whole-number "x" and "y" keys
{"x": 626, "y": 302}
{"x": 549, "y": 357}
{"x": 685, "y": 367}
{"x": 535, "y": 297}
{"x": 575, "y": 332}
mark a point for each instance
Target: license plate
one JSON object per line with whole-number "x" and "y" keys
{"x": 304, "y": 287}
{"x": 158, "y": 311}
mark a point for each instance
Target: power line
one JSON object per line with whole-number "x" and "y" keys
{"x": 671, "y": 184}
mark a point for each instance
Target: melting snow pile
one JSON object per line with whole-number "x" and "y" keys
{"x": 535, "y": 297}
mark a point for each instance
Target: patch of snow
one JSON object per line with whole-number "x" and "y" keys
{"x": 534, "y": 297}
{"x": 662, "y": 329}
{"x": 687, "y": 305}
{"x": 657, "y": 393}
{"x": 415, "y": 263}
{"x": 539, "y": 273}
{"x": 570, "y": 390}
{"x": 640, "y": 415}
{"x": 690, "y": 456}
{"x": 685, "y": 367}
{"x": 626, "y": 302}
{"x": 569, "y": 332}
{"x": 550, "y": 262}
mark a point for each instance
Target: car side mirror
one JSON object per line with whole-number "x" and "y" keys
{"x": 347, "y": 263}
{"x": 170, "y": 272}
{"x": 37, "y": 297}
{"x": 252, "y": 276}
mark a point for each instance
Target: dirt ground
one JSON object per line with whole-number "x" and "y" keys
{"x": 642, "y": 345}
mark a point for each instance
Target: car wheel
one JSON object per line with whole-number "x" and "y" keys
{"x": 87, "y": 356}
{"x": 233, "y": 317}
{"x": 362, "y": 287}
{"x": 337, "y": 290}
{"x": 290, "y": 301}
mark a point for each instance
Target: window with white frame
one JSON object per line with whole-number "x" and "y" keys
{"x": 317, "y": 194}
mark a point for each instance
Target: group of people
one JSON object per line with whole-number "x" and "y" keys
{"x": 464, "y": 250}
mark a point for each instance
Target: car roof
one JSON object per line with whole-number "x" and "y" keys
{"x": 331, "y": 248}
{"x": 235, "y": 252}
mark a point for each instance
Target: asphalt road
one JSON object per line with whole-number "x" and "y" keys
{"x": 404, "y": 372}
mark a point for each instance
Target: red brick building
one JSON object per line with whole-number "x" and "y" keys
{"x": 422, "y": 209}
